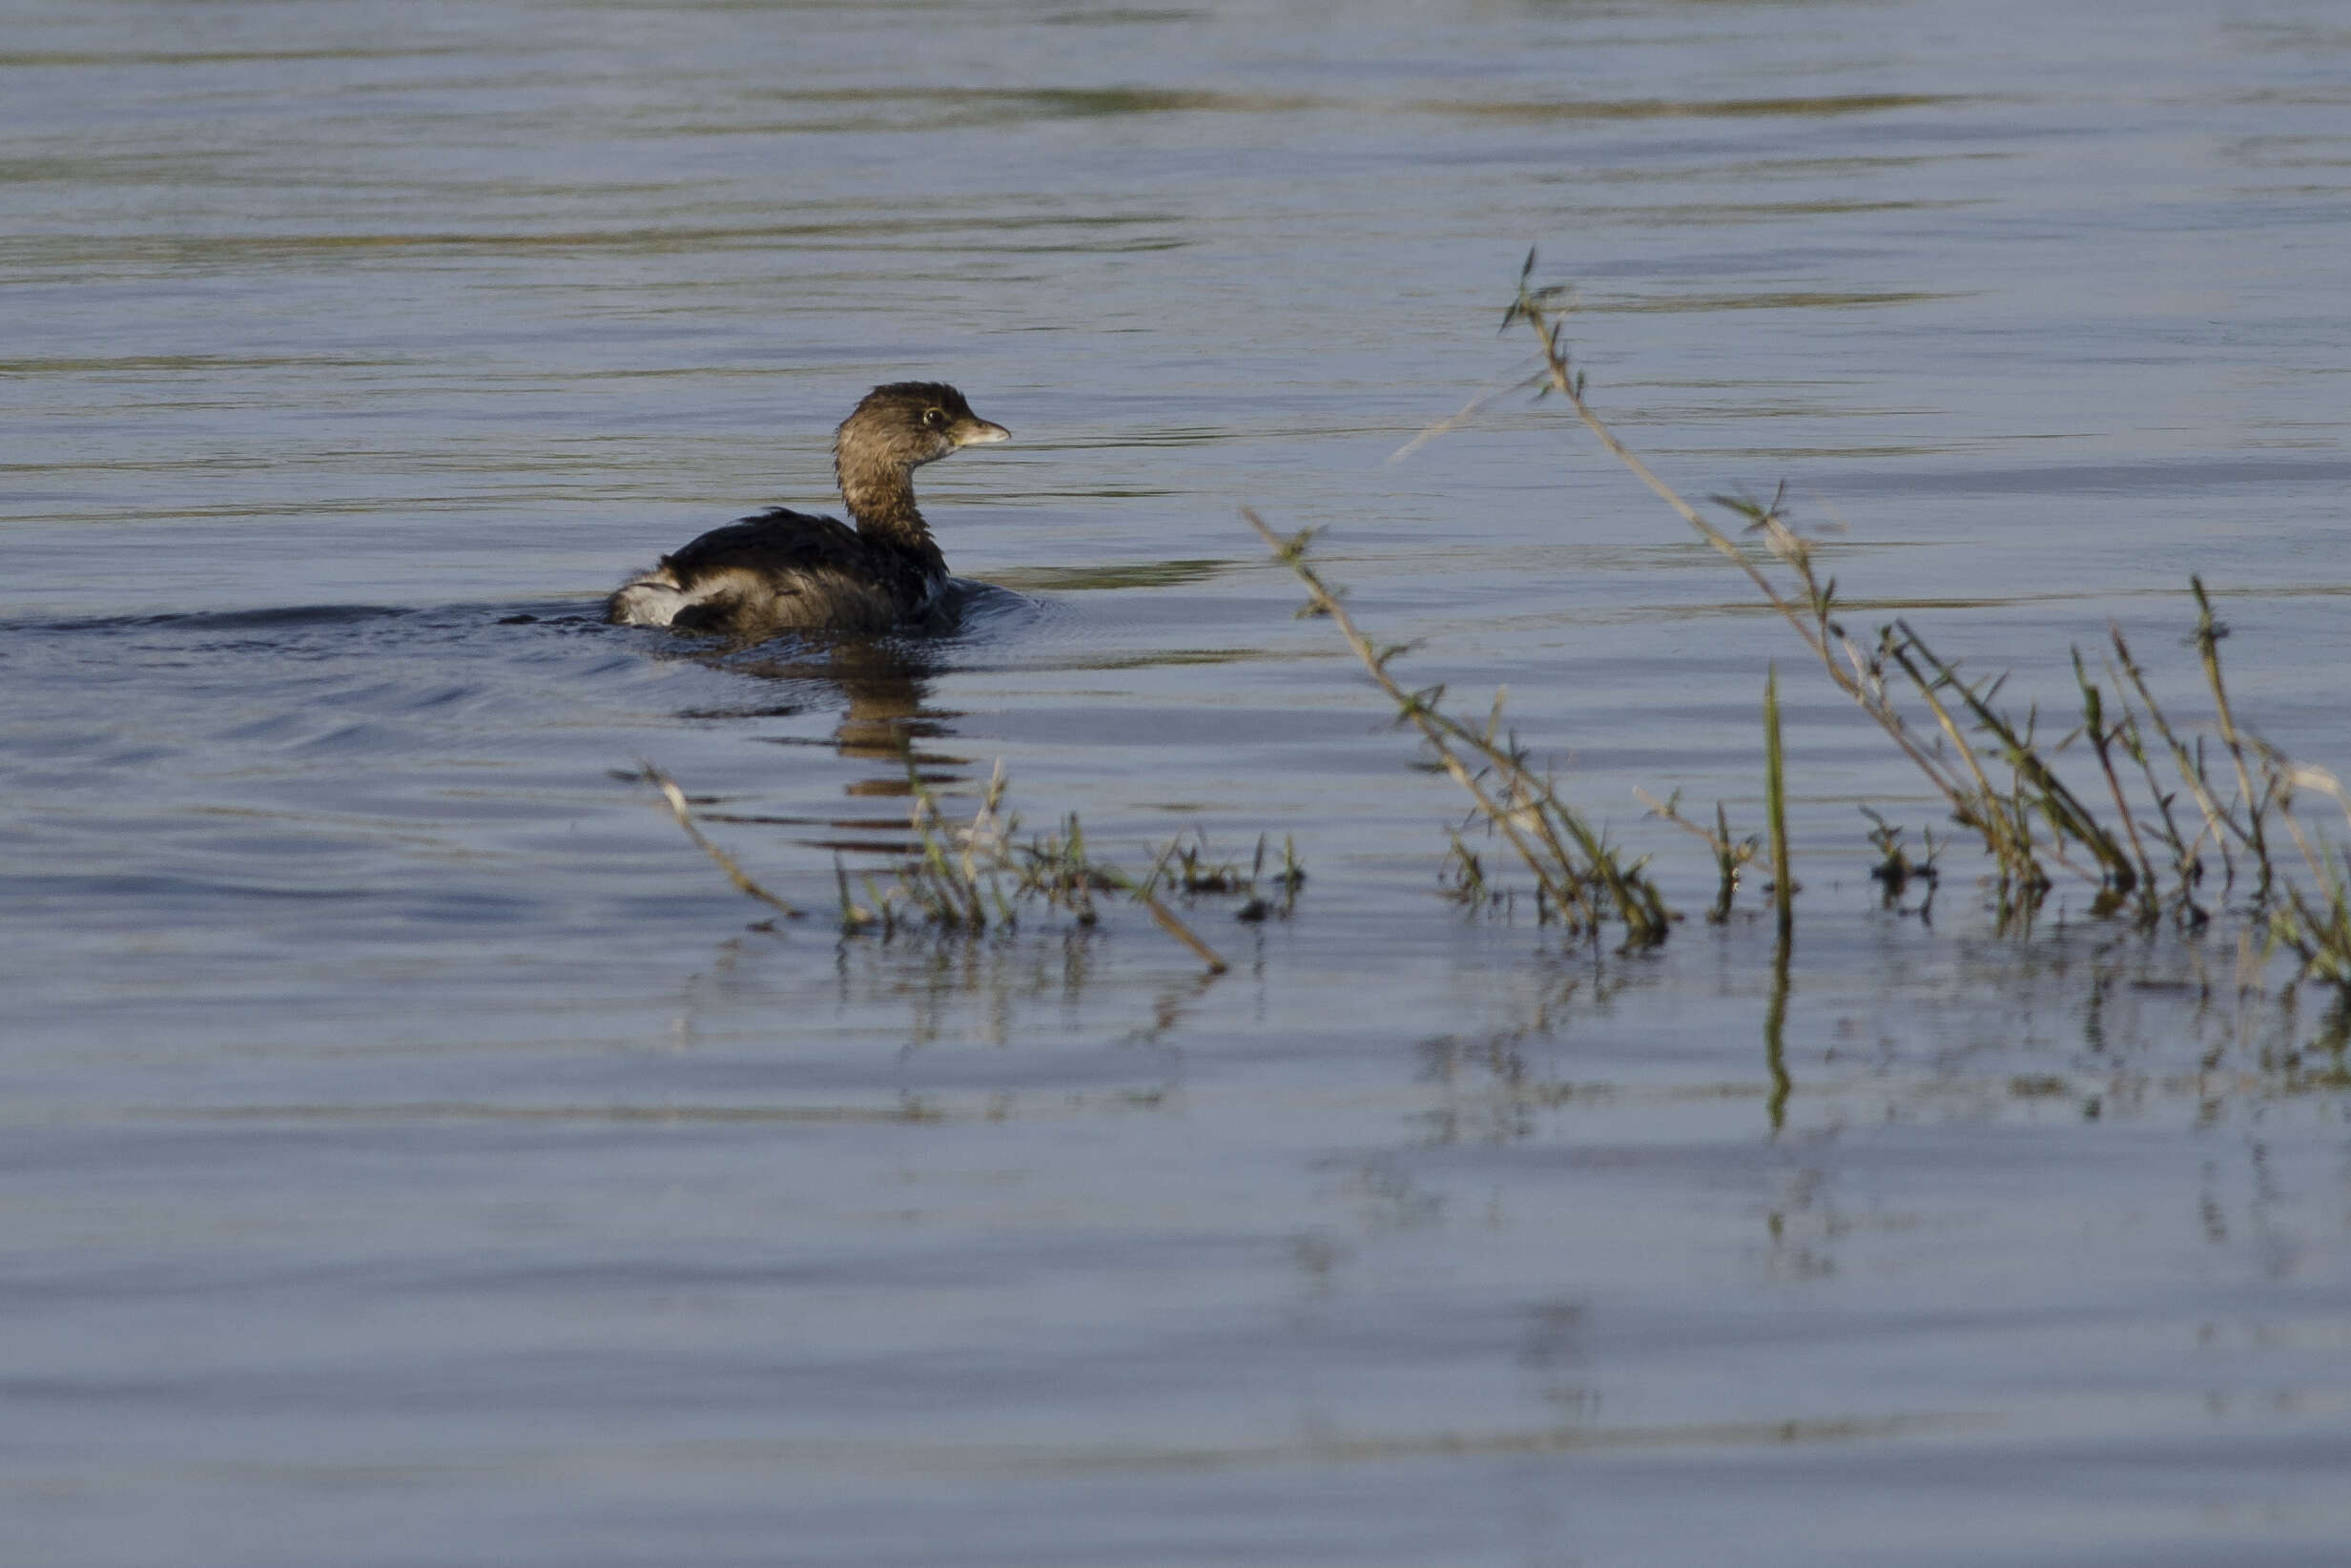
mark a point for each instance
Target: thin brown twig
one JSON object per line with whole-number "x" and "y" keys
{"x": 676, "y": 798}
{"x": 1526, "y": 810}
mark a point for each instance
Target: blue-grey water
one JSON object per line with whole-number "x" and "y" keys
{"x": 416, "y": 1153}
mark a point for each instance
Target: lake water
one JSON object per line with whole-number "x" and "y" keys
{"x": 415, "y": 1152}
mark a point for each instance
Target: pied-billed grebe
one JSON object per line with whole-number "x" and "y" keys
{"x": 784, "y": 571}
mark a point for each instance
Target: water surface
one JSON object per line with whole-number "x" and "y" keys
{"x": 416, "y": 1154}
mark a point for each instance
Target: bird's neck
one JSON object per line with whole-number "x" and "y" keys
{"x": 880, "y": 496}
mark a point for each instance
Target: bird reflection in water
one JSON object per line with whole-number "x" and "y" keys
{"x": 886, "y": 683}
{"x": 882, "y": 687}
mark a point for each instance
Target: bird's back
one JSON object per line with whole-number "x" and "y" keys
{"x": 779, "y": 570}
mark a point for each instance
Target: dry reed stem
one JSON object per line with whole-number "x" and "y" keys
{"x": 2208, "y": 634}
{"x": 2322, "y": 938}
{"x": 1170, "y": 922}
{"x": 2003, "y": 818}
{"x": 676, "y": 798}
{"x": 1293, "y": 554}
{"x": 2316, "y": 927}
{"x": 1528, "y": 812}
{"x": 2191, "y": 767}
{"x": 949, "y": 886}
{"x": 2055, "y": 801}
{"x": 2101, "y": 742}
{"x": 1973, "y": 797}
{"x": 1731, "y": 855}
{"x": 954, "y": 876}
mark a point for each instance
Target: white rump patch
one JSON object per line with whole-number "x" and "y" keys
{"x": 651, "y": 600}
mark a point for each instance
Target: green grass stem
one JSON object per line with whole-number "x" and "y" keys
{"x": 1775, "y": 804}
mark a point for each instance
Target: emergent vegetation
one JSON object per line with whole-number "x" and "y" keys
{"x": 972, "y": 878}
{"x": 2177, "y": 803}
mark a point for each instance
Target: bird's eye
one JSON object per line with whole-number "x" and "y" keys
{"x": 934, "y": 418}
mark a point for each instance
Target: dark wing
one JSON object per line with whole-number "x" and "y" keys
{"x": 777, "y": 545}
